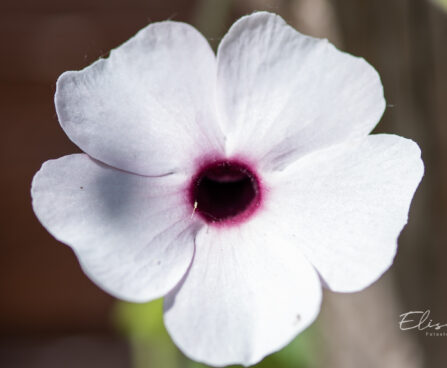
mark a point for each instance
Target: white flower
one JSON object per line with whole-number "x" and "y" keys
{"x": 234, "y": 186}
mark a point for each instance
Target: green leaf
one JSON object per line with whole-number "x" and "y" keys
{"x": 143, "y": 325}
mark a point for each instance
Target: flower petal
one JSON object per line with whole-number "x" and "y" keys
{"x": 132, "y": 234}
{"x": 285, "y": 94}
{"x": 247, "y": 294}
{"x": 345, "y": 206}
{"x": 149, "y": 107}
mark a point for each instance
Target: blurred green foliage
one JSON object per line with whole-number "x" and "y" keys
{"x": 152, "y": 347}
{"x": 443, "y": 4}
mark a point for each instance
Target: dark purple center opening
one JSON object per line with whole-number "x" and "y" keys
{"x": 224, "y": 190}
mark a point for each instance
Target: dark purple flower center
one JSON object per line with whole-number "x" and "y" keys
{"x": 225, "y": 190}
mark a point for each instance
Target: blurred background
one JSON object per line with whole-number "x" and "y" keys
{"x": 51, "y": 315}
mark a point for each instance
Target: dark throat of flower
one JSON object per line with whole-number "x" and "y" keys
{"x": 225, "y": 192}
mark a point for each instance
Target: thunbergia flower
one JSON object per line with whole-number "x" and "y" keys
{"x": 233, "y": 185}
